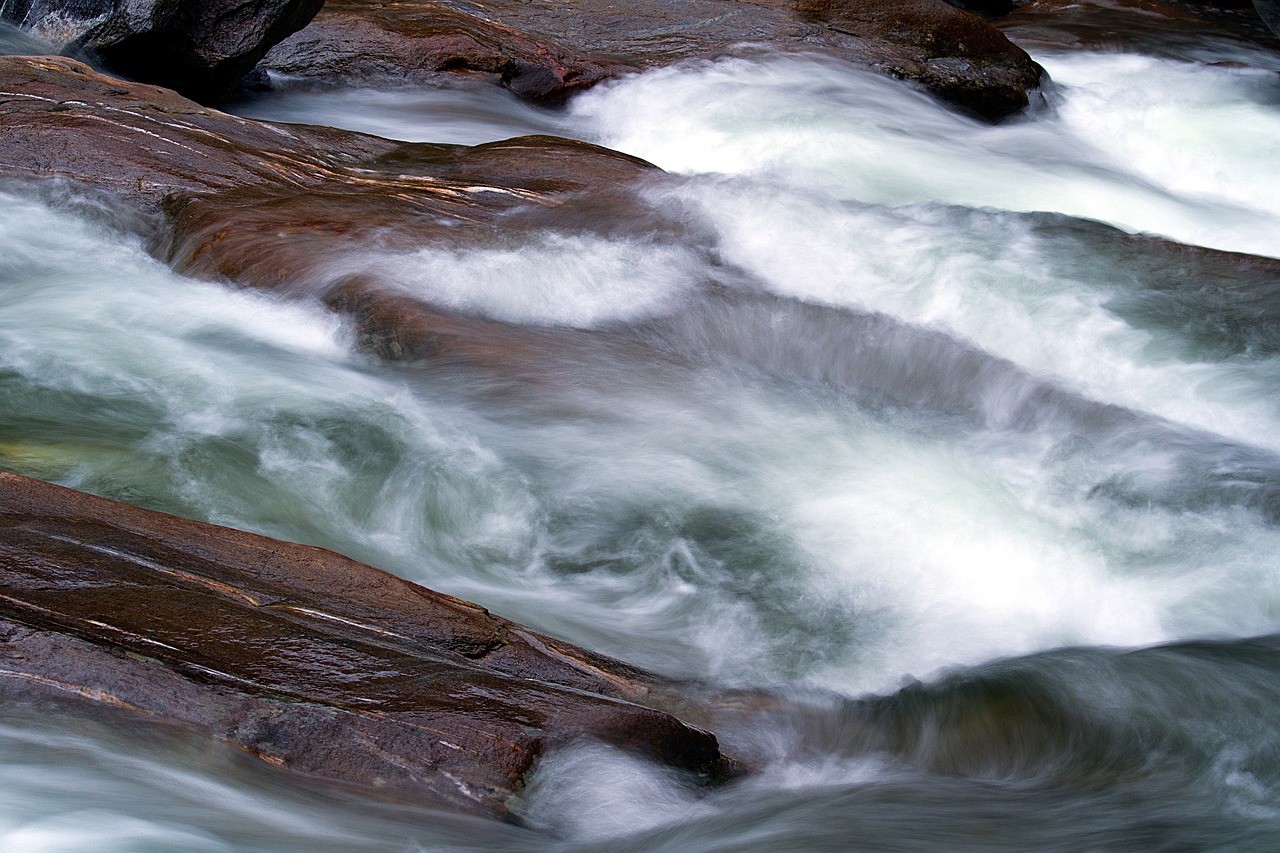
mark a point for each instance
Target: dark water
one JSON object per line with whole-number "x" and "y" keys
{"x": 989, "y": 491}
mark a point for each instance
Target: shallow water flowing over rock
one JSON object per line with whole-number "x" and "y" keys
{"x": 930, "y": 465}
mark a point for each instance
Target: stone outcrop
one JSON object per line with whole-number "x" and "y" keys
{"x": 547, "y": 51}
{"x": 307, "y": 659}
{"x": 201, "y": 49}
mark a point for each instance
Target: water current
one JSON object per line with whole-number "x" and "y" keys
{"x": 906, "y": 413}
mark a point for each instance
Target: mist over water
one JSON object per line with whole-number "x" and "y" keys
{"x": 883, "y": 411}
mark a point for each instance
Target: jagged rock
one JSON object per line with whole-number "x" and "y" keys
{"x": 309, "y": 660}
{"x": 545, "y": 52}
{"x": 199, "y": 49}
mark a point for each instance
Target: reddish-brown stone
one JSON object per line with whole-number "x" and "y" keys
{"x": 305, "y": 658}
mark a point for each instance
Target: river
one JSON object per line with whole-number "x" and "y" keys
{"x": 902, "y": 410}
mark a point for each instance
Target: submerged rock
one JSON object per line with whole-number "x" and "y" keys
{"x": 545, "y": 52}
{"x": 309, "y": 660}
{"x": 199, "y": 49}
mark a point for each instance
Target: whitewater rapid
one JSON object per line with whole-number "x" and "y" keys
{"x": 887, "y": 409}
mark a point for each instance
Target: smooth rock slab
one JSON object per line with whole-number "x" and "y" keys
{"x": 305, "y": 658}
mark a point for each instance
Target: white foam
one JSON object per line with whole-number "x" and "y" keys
{"x": 555, "y": 279}
{"x": 820, "y": 124}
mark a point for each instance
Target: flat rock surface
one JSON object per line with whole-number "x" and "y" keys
{"x": 546, "y": 50}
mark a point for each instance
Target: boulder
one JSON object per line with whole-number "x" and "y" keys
{"x": 312, "y": 662}
{"x": 948, "y": 52}
{"x": 199, "y": 49}
{"x": 545, "y": 52}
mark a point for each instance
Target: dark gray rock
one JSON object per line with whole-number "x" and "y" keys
{"x": 199, "y": 49}
{"x": 987, "y": 8}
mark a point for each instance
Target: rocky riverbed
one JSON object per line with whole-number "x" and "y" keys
{"x": 624, "y": 434}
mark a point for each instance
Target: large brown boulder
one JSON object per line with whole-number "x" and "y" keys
{"x": 547, "y": 51}
{"x": 199, "y": 49}
{"x": 306, "y": 659}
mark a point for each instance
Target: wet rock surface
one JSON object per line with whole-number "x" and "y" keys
{"x": 307, "y": 659}
{"x": 199, "y": 49}
{"x": 547, "y": 51}
{"x": 277, "y": 206}
{"x": 1155, "y": 27}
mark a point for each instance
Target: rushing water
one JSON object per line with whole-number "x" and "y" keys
{"x": 887, "y": 411}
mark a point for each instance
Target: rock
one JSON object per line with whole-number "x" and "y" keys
{"x": 199, "y": 49}
{"x": 546, "y": 52}
{"x": 354, "y": 42}
{"x": 1177, "y": 30}
{"x": 309, "y": 660}
{"x": 949, "y": 52}
{"x": 987, "y": 8}
{"x": 144, "y": 143}
{"x": 155, "y": 148}
{"x": 281, "y": 206}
